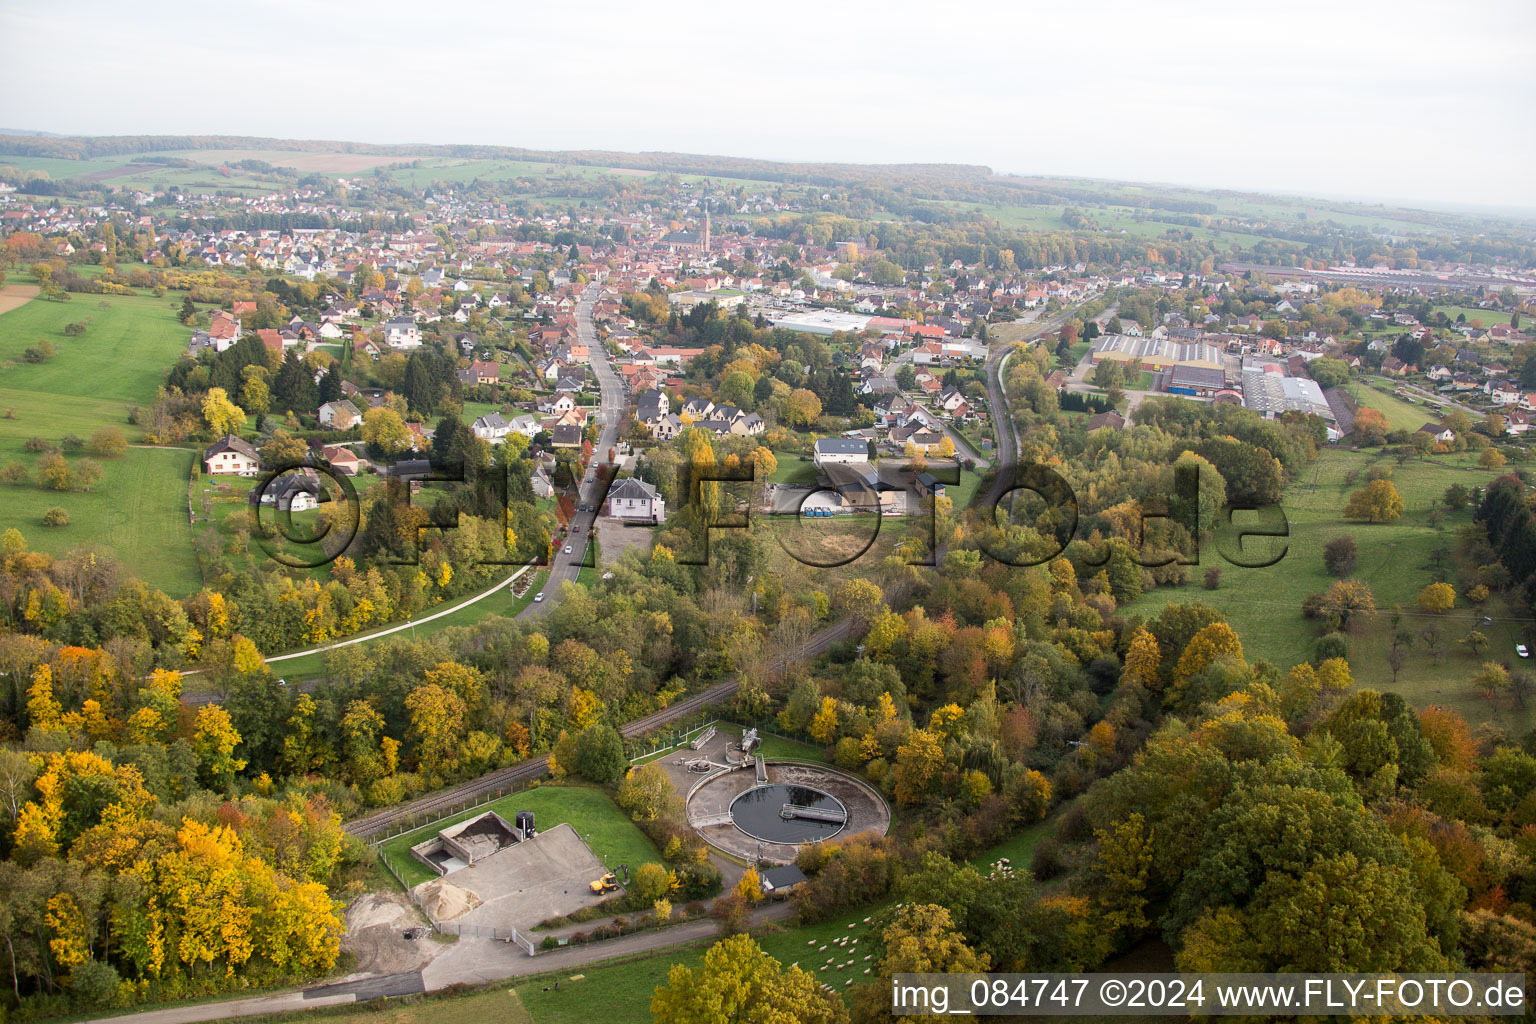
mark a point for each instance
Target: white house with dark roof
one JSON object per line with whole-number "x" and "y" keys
{"x": 637, "y": 501}
{"x": 832, "y": 450}
{"x": 402, "y": 332}
{"x": 231, "y": 456}
{"x": 491, "y": 427}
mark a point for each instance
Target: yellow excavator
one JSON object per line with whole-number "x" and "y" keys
{"x": 603, "y": 886}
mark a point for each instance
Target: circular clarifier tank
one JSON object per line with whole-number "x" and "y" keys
{"x": 788, "y": 814}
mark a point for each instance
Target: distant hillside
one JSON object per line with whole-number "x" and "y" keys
{"x": 82, "y": 147}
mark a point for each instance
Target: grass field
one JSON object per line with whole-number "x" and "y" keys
{"x": 1400, "y": 415}
{"x": 1395, "y": 560}
{"x": 1483, "y": 317}
{"x": 791, "y": 470}
{"x": 608, "y": 831}
{"x": 137, "y": 511}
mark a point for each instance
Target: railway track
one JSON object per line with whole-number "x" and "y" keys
{"x": 386, "y": 821}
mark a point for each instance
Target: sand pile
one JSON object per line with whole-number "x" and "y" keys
{"x": 444, "y": 901}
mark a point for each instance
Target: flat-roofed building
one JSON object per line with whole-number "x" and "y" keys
{"x": 1156, "y": 353}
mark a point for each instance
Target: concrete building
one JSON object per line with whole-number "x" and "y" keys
{"x": 834, "y": 450}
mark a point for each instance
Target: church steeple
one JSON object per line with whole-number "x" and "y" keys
{"x": 704, "y": 242}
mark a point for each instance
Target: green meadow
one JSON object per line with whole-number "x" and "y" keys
{"x": 1396, "y": 560}
{"x": 138, "y": 510}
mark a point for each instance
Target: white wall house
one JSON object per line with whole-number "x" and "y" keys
{"x": 636, "y": 500}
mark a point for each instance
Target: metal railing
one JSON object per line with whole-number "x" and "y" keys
{"x": 476, "y": 931}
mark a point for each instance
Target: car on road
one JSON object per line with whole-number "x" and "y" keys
{"x": 567, "y": 549}
{"x": 1522, "y": 650}
{"x": 538, "y": 597}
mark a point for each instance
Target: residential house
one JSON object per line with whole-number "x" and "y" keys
{"x": 566, "y": 435}
{"x": 1111, "y": 419}
{"x": 491, "y": 428}
{"x": 1442, "y": 434}
{"x": 342, "y": 458}
{"x": 231, "y": 456}
{"x": 342, "y": 415}
{"x": 402, "y": 332}
{"x": 929, "y": 485}
{"x": 635, "y": 500}
{"x": 561, "y": 402}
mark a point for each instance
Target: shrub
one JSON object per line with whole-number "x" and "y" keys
{"x": 696, "y": 881}
{"x": 56, "y": 517}
{"x": 72, "y": 443}
{"x": 74, "y": 330}
{"x": 1339, "y": 556}
{"x": 39, "y": 353}
{"x": 1330, "y": 645}
{"x": 1046, "y": 862}
{"x": 550, "y": 942}
{"x": 1212, "y": 578}
{"x": 108, "y": 442}
{"x": 94, "y": 983}
{"x": 37, "y": 444}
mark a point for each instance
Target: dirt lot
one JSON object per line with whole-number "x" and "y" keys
{"x": 376, "y": 927}
{"x": 14, "y": 295}
{"x": 614, "y": 538}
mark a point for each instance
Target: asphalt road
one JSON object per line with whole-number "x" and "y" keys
{"x": 564, "y": 566}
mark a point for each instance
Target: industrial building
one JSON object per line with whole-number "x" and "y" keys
{"x": 1156, "y": 353}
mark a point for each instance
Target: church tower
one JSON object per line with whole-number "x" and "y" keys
{"x": 704, "y": 242}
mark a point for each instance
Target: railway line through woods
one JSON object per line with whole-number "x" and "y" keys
{"x": 388, "y": 822}
{"x": 997, "y": 400}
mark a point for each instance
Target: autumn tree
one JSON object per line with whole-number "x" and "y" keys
{"x": 108, "y": 442}
{"x": 1437, "y": 598}
{"x": 647, "y": 794}
{"x": 737, "y": 981}
{"x": 384, "y": 429}
{"x": 223, "y": 415}
{"x": 1376, "y": 502}
{"x": 861, "y": 600}
{"x": 1142, "y": 660}
{"x": 1342, "y": 603}
{"x": 1213, "y": 641}
{"x": 919, "y": 760}
{"x": 54, "y": 473}
{"x": 1118, "y": 876}
{"x": 214, "y": 742}
{"x": 437, "y": 725}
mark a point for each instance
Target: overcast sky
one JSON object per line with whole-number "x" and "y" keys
{"x": 1396, "y": 100}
